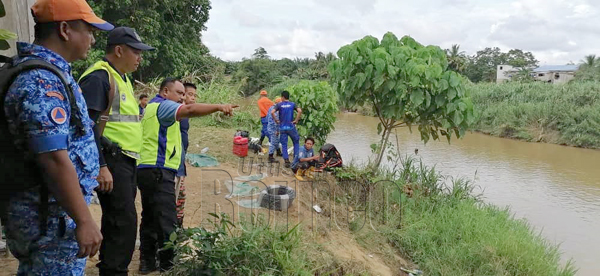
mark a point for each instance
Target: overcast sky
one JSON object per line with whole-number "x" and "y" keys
{"x": 556, "y": 31}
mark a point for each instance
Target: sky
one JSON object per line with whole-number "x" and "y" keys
{"x": 555, "y": 31}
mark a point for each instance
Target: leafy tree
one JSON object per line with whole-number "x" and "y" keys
{"x": 172, "y": 27}
{"x": 483, "y": 65}
{"x": 260, "y": 53}
{"x": 319, "y": 107}
{"x": 456, "y": 58}
{"x": 5, "y": 34}
{"x": 406, "y": 83}
{"x": 255, "y": 74}
{"x": 590, "y": 61}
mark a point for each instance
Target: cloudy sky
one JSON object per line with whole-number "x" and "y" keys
{"x": 556, "y": 31}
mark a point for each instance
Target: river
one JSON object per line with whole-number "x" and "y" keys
{"x": 556, "y": 188}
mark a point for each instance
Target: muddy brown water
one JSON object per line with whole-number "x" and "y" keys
{"x": 556, "y": 188}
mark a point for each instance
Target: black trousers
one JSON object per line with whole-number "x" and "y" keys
{"x": 304, "y": 165}
{"x": 119, "y": 217}
{"x": 159, "y": 214}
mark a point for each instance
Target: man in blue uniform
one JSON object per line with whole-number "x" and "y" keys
{"x": 54, "y": 237}
{"x": 287, "y": 124}
{"x": 157, "y": 169}
{"x": 273, "y": 131}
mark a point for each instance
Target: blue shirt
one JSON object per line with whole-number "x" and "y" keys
{"x": 167, "y": 110}
{"x": 302, "y": 153}
{"x": 38, "y": 111}
{"x": 286, "y": 114}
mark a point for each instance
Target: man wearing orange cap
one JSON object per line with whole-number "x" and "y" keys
{"x": 50, "y": 228}
{"x": 263, "y": 105}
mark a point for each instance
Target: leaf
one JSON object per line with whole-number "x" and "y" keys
{"x": 417, "y": 97}
{"x": 392, "y": 70}
{"x": 379, "y": 65}
{"x": 7, "y": 35}
{"x": 427, "y": 99}
{"x": 358, "y": 60}
{"x": 390, "y": 84}
{"x": 462, "y": 106}
{"x": 458, "y": 117}
{"x": 454, "y": 80}
{"x": 173, "y": 237}
{"x": 444, "y": 84}
{"x": 415, "y": 81}
{"x": 451, "y": 93}
{"x": 4, "y": 45}
{"x": 2, "y": 11}
{"x": 440, "y": 100}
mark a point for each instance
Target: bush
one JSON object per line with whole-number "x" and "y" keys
{"x": 566, "y": 114}
{"x": 319, "y": 107}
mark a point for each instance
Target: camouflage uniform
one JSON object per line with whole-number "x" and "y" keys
{"x": 37, "y": 110}
{"x": 273, "y": 130}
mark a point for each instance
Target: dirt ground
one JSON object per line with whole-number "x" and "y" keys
{"x": 206, "y": 193}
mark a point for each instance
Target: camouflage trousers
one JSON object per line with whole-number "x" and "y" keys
{"x": 52, "y": 254}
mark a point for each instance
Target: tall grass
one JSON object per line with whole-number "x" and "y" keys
{"x": 446, "y": 230}
{"x": 566, "y": 114}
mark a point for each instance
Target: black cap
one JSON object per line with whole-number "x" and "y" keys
{"x": 127, "y": 36}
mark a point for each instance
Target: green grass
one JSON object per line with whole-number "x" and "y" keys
{"x": 567, "y": 114}
{"x": 448, "y": 230}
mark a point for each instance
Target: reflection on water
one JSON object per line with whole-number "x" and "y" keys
{"x": 556, "y": 188}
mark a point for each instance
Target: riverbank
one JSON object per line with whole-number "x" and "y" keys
{"x": 567, "y": 114}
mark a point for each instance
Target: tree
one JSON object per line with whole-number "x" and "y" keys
{"x": 260, "y": 53}
{"x": 255, "y": 74}
{"x": 406, "y": 83}
{"x": 5, "y": 34}
{"x": 589, "y": 61}
{"x": 483, "y": 65}
{"x": 456, "y": 58}
{"x": 319, "y": 107}
{"x": 172, "y": 27}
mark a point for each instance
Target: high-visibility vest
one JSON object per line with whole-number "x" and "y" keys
{"x": 161, "y": 145}
{"x": 123, "y": 126}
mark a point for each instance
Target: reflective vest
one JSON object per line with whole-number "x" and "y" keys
{"x": 123, "y": 126}
{"x": 161, "y": 146}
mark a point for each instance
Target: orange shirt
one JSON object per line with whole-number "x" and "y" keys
{"x": 264, "y": 104}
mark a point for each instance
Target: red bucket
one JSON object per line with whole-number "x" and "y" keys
{"x": 240, "y": 146}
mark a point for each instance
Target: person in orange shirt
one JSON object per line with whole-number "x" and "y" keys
{"x": 263, "y": 105}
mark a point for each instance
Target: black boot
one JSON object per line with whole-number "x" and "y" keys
{"x": 279, "y": 152}
{"x": 147, "y": 266}
{"x": 271, "y": 159}
{"x": 287, "y": 163}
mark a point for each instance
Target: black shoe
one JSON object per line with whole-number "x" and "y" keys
{"x": 279, "y": 152}
{"x": 287, "y": 163}
{"x": 271, "y": 159}
{"x": 147, "y": 266}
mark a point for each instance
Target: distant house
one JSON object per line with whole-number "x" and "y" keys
{"x": 546, "y": 73}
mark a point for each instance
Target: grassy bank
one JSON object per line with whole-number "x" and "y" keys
{"x": 566, "y": 114}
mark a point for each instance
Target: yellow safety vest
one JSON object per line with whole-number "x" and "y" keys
{"x": 161, "y": 146}
{"x": 123, "y": 126}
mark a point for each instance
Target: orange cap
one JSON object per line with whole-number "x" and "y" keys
{"x": 263, "y": 92}
{"x": 45, "y": 11}
{"x": 278, "y": 100}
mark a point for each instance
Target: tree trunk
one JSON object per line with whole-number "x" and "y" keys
{"x": 384, "y": 139}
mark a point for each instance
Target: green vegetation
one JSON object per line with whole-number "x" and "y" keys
{"x": 563, "y": 114}
{"x": 406, "y": 83}
{"x": 5, "y": 34}
{"x": 446, "y": 230}
{"x": 319, "y": 108}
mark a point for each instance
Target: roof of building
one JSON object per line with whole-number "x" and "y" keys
{"x": 555, "y": 68}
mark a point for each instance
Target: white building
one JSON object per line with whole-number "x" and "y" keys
{"x": 546, "y": 73}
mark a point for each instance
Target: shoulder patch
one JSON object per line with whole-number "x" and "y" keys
{"x": 55, "y": 94}
{"x": 123, "y": 97}
{"x": 58, "y": 115}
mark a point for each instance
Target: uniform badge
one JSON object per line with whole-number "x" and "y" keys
{"x": 58, "y": 115}
{"x": 123, "y": 97}
{"x": 55, "y": 95}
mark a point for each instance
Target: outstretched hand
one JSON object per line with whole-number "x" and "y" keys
{"x": 227, "y": 109}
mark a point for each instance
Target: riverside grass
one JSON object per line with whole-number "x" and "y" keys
{"x": 566, "y": 114}
{"x": 447, "y": 230}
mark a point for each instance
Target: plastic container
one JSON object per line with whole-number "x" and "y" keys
{"x": 240, "y": 146}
